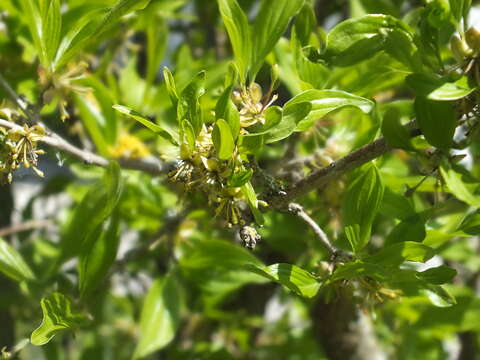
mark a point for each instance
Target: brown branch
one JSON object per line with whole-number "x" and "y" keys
{"x": 29, "y": 225}
{"x": 22, "y": 104}
{"x": 300, "y": 212}
{"x": 320, "y": 177}
{"x": 151, "y": 166}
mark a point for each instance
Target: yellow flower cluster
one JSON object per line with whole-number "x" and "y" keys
{"x": 19, "y": 147}
{"x": 200, "y": 168}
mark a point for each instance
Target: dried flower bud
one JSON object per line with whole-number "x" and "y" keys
{"x": 249, "y": 236}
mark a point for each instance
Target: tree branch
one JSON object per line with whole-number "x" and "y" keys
{"x": 336, "y": 169}
{"x": 151, "y": 166}
{"x": 300, "y": 212}
{"x": 29, "y": 225}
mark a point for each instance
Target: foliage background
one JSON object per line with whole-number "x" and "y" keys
{"x": 177, "y": 286}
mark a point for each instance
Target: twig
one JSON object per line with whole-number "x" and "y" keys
{"x": 333, "y": 171}
{"x": 300, "y": 212}
{"x": 151, "y": 166}
{"x": 22, "y": 104}
{"x": 29, "y": 225}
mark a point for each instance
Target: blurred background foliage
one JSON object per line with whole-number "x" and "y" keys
{"x": 177, "y": 287}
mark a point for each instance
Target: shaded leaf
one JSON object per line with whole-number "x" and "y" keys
{"x": 361, "y": 204}
{"x": 12, "y": 263}
{"x": 393, "y": 131}
{"x": 96, "y": 206}
{"x": 437, "y": 121}
{"x": 98, "y": 254}
{"x": 438, "y": 275}
{"x": 160, "y": 316}
{"x": 396, "y": 254}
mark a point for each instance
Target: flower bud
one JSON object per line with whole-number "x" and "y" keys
{"x": 184, "y": 152}
{"x": 472, "y": 36}
{"x": 256, "y": 92}
{"x": 460, "y": 48}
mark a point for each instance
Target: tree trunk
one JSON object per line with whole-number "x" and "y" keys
{"x": 344, "y": 331}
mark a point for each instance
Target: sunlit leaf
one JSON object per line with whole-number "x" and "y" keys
{"x": 57, "y": 316}
{"x": 291, "y": 276}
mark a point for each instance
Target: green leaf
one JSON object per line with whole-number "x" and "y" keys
{"x": 147, "y": 123}
{"x": 223, "y": 139}
{"x": 92, "y": 26}
{"x": 121, "y": 8}
{"x": 356, "y": 269}
{"x": 437, "y": 121}
{"x": 362, "y": 202}
{"x": 437, "y": 275}
{"x": 76, "y": 37}
{"x": 324, "y": 102}
{"x": 355, "y": 40}
{"x": 305, "y": 24}
{"x": 454, "y": 182}
{"x": 157, "y": 39}
{"x": 240, "y": 178}
{"x": 273, "y": 117}
{"x": 471, "y": 224}
{"x": 57, "y": 316}
{"x": 440, "y": 89}
{"x": 12, "y": 263}
{"x": 160, "y": 316}
{"x": 218, "y": 254}
{"x": 460, "y": 8}
{"x": 171, "y": 87}
{"x": 400, "y": 45}
{"x": 410, "y": 229}
{"x": 314, "y": 73}
{"x": 45, "y": 23}
{"x": 98, "y": 254}
{"x": 188, "y": 135}
{"x": 93, "y": 119}
{"x": 270, "y": 24}
{"x": 236, "y": 23}
{"x": 396, "y": 254}
{"x": 96, "y": 206}
{"x": 249, "y": 192}
{"x": 226, "y": 109}
{"x": 250, "y": 143}
{"x": 393, "y": 131}
{"x": 291, "y": 276}
{"x": 188, "y": 107}
{"x": 438, "y": 296}
{"x": 292, "y": 115}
